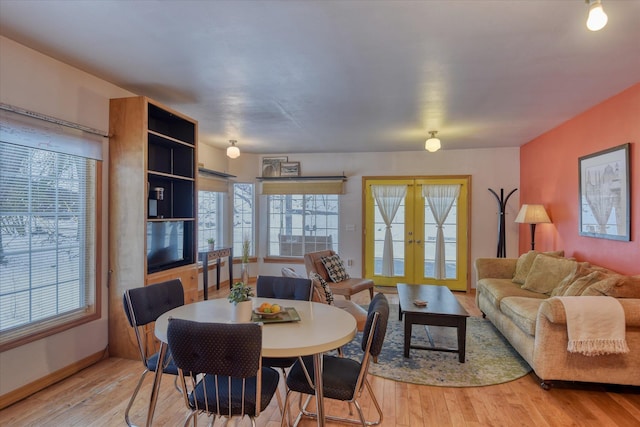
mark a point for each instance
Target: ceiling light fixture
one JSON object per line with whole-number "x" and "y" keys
{"x": 233, "y": 152}
{"x": 597, "y": 18}
{"x": 432, "y": 144}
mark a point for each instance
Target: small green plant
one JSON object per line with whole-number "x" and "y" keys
{"x": 240, "y": 292}
{"x": 246, "y": 247}
{"x": 211, "y": 240}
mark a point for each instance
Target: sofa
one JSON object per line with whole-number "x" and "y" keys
{"x": 523, "y": 298}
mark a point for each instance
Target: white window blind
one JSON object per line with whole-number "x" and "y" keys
{"x": 48, "y": 227}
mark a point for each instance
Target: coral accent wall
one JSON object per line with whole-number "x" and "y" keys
{"x": 549, "y": 175}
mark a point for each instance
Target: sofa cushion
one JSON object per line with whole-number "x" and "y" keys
{"x": 335, "y": 268}
{"x": 525, "y": 261}
{"x": 522, "y": 311}
{"x": 497, "y": 289}
{"x": 579, "y": 285}
{"x": 615, "y": 285}
{"x": 547, "y": 272}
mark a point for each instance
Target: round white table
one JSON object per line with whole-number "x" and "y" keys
{"x": 321, "y": 328}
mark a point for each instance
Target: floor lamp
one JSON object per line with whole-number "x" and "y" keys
{"x": 532, "y": 215}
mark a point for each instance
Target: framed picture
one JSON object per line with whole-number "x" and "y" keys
{"x": 290, "y": 169}
{"x": 271, "y": 165}
{"x": 605, "y": 196}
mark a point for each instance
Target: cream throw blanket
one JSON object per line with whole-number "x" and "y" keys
{"x": 595, "y": 325}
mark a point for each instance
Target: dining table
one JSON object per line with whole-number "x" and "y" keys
{"x": 321, "y": 328}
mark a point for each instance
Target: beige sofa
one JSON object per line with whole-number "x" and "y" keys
{"x": 532, "y": 318}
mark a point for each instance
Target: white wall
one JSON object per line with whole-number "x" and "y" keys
{"x": 489, "y": 168}
{"x": 39, "y": 83}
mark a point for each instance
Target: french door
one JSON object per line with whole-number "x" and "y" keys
{"x": 407, "y": 213}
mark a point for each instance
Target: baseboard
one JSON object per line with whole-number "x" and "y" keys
{"x": 44, "y": 382}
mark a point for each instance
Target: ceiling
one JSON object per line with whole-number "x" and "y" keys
{"x": 347, "y": 76}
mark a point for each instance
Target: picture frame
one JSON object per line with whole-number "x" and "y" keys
{"x": 604, "y": 194}
{"x": 290, "y": 169}
{"x": 271, "y": 165}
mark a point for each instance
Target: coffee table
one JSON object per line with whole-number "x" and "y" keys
{"x": 442, "y": 309}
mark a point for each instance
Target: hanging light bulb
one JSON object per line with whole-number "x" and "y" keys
{"x": 597, "y": 18}
{"x": 233, "y": 152}
{"x": 432, "y": 144}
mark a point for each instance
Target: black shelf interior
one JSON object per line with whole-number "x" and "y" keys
{"x": 169, "y": 124}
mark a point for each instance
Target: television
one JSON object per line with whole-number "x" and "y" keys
{"x": 167, "y": 245}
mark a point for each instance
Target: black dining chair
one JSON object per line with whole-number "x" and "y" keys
{"x": 343, "y": 378}
{"x": 283, "y": 288}
{"x": 143, "y": 306}
{"x": 220, "y": 369}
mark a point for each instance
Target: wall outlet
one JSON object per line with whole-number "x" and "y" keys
{"x": 350, "y": 263}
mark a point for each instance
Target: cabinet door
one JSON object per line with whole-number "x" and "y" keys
{"x": 188, "y": 275}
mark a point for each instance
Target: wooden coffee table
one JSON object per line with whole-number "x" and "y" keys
{"x": 442, "y": 309}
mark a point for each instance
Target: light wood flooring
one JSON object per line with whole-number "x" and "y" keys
{"x": 98, "y": 396}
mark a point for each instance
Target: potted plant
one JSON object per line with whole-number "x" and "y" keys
{"x": 240, "y": 296}
{"x": 212, "y": 243}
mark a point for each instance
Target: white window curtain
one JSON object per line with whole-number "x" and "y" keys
{"x": 388, "y": 198}
{"x": 440, "y": 198}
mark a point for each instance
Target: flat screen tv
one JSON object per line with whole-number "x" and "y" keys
{"x": 165, "y": 245}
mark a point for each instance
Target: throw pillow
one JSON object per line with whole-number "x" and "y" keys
{"x": 581, "y": 284}
{"x": 290, "y": 272}
{"x": 335, "y": 268}
{"x": 547, "y": 272}
{"x": 582, "y": 269}
{"x": 617, "y": 286}
{"x": 525, "y": 261}
{"x": 318, "y": 281}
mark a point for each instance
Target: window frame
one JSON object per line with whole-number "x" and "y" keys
{"x": 34, "y": 331}
{"x": 237, "y": 245}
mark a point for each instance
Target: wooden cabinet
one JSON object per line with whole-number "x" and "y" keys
{"x": 152, "y": 206}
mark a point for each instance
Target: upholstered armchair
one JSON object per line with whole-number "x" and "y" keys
{"x": 347, "y": 287}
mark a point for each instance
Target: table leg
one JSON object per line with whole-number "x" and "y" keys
{"x": 231, "y": 267}
{"x": 462, "y": 338}
{"x": 205, "y": 276}
{"x": 407, "y": 336}
{"x": 218, "y": 274}
{"x": 317, "y": 368}
{"x": 156, "y": 384}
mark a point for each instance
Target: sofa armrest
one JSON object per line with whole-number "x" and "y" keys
{"x": 496, "y": 268}
{"x": 553, "y": 310}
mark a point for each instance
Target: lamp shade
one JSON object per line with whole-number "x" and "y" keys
{"x": 233, "y": 152}
{"x": 432, "y": 144}
{"x": 532, "y": 214}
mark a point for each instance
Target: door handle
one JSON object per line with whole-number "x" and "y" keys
{"x": 418, "y": 241}
{"x": 409, "y": 241}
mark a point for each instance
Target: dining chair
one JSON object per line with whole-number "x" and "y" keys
{"x": 343, "y": 378}
{"x": 300, "y": 289}
{"x": 220, "y": 369}
{"x": 143, "y": 306}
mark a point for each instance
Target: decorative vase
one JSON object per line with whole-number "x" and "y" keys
{"x": 212, "y": 246}
{"x": 244, "y": 273}
{"x": 241, "y": 312}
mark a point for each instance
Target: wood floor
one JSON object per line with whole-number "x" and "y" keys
{"x": 98, "y": 396}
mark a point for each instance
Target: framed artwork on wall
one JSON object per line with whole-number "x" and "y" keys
{"x": 271, "y": 165}
{"x": 290, "y": 169}
{"x": 605, "y": 196}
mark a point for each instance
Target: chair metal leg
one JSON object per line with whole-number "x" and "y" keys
{"x": 133, "y": 398}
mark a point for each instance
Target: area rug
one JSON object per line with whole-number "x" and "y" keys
{"x": 490, "y": 359}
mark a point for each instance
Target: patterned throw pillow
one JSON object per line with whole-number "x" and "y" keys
{"x": 335, "y": 268}
{"x": 317, "y": 279}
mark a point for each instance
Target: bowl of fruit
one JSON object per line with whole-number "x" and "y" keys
{"x": 268, "y": 310}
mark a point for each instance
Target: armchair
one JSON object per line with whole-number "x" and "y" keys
{"x": 346, "y": 288}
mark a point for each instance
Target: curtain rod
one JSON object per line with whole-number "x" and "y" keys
{"x": 50, "y": 119}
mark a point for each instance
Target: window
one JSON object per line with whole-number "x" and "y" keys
{"x": 48, "y": 241}
{"x": 302, "y": 223}
{"x": 243, "y": 202}
{"x": 210, "y": 218}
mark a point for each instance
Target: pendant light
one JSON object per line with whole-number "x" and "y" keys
{"x": 233, "y": 152}
{"x": 432, "y": 144}
{"x": 597, "y": 18}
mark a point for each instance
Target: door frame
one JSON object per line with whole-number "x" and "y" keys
{"x": 466, "y": 178}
